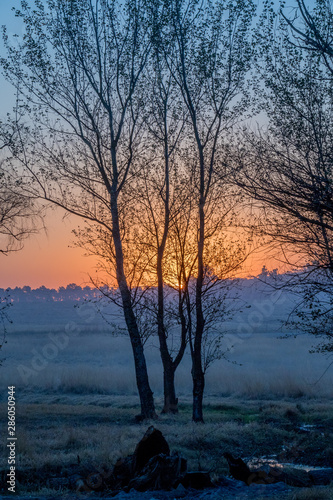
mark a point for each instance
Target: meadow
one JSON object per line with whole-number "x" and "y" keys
{"x": 55, "y": 429}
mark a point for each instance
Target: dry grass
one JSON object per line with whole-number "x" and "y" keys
{"x": 84, "y": 403}
{"x": 100, "y": 429}
{"x": 52, "y": 430}
{"x": 222, "y": 380}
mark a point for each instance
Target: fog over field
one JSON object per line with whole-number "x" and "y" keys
{"x": 66, "y": 346}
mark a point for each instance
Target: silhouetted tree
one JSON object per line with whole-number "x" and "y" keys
{"x": 18, "y": 212}
{"x": 209, "y": 62}
{"x": 312, "y": 30}
{"x": 78, "y": 71}
{"x": 118, "y": 94}
{"x": 287, "y": 168}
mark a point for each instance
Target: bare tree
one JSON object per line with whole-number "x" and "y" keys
{"x": 17, "y": 217}
{"x": 209, "y": 63}
{"x": 18, "y": 212}
{"x": 162, "y": 200}
{"x": 158, "y": 196}
{"x": 159, "y": 190}
{"x": 223, "y": 255}
{"x": 79, "y": 70}
{"x": 287, "y": 168}
{"x": 151, "y": 196}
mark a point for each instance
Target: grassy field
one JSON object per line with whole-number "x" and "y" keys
{"x": 52, "y": 430}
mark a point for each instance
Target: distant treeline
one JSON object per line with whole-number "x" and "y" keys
{"x": 75, "y": 292}
{"x": 28, "y": 294}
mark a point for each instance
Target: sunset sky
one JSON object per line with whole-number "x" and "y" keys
{"x": 47, "y": 257}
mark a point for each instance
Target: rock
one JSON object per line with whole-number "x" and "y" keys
{"x": 295, "y": 477}
{"x": 150, "y": 467}
{"x": 152, "y": 444}
{"x": 260, "y": 477}
{"x": 291, "y": 476}
{"x": 321, "y": 476}
{"x": 123, "y": 470}
{"x": 237, "y": 467}
{"x": 162, "y": 472}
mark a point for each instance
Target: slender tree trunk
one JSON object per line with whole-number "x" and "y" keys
{"x": 198, "y": 389}
{"x": 145, "y": 392}
{"x": 170, "y": 400}
{"x": 198, "y": 375}
{"x": 169, "y": 367}
{"x": 197, "y": 371}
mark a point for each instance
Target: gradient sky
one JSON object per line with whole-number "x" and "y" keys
{"x": 47, "y": 258}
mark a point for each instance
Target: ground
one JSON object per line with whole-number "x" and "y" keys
{"x": 54, "y": 429}
{"x": 76, "y": 395}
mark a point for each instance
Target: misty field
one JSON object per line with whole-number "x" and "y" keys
{"x": 259, "y": 365}
{"x": 71, "y": 346}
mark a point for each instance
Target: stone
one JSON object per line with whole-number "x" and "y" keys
{"x": 237, "y": 467}
{"x": 152, "y": 444}
{"x": 162, "y": 472}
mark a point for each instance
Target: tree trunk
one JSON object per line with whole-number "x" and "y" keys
{"x": 198, "y": 390}
{"x": 145, "y": 392}
{"x": 197, "y": 371}
{"x": 169, "y": 368}
{"x": 170, "y": 400}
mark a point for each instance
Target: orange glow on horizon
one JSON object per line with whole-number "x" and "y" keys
{"x": 49, "y": 259}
